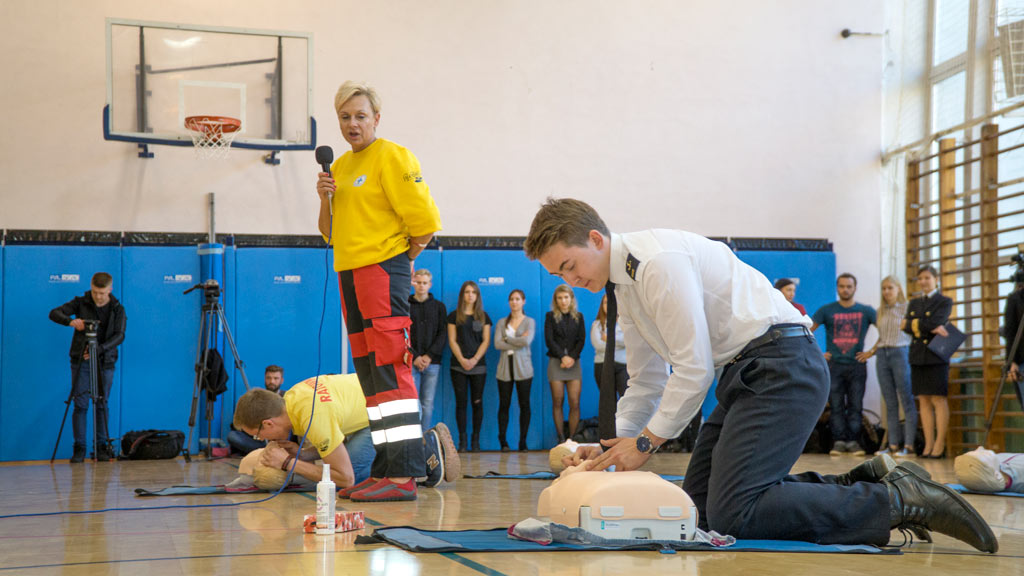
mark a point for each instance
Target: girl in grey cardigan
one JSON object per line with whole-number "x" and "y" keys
{"x": 513, "y": 336}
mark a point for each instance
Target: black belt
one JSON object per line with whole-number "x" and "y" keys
{"x": 777, "y": 332}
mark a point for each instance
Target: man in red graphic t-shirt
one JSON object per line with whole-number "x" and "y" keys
{"x": 846, "y": 324}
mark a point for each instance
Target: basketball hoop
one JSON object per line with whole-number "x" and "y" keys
{"x": 212, "y": 135}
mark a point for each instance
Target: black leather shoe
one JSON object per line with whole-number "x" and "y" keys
{"x": 79, "y": 455}
{"x": 919, "y": 502}
{"x": 875, "y": 469}
{"x": 505, "y": 448}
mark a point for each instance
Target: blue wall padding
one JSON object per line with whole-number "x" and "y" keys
{"x": 159, "y": 351}
{"x": 814, "y": 273}
{"x": 36, "y": 376}
{"x": 279, "y": 298}
{"x": 273, "y": 298}
{"x": 497, "y": 273}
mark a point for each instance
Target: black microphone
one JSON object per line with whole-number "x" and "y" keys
{"x": 325, "y": 157}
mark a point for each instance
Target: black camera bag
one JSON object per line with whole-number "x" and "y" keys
{"x": 152, "y": 444}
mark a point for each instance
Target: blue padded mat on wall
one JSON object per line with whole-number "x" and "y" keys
{"x": 36, "y": 377}
{"x": 159, "y": 352}
{"x": 279, "y": 298}
{"x": 497, "y": 272}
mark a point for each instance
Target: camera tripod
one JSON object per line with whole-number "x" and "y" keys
{"x": 212, "y": 313}
{"x": 1002, "y": 382}
{"x": 95, "y": 393}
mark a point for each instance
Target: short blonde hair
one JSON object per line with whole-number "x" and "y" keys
{"x": 350, "y": 89}
{"x": 423, "y": 272}
{"x": 257, "y": 405}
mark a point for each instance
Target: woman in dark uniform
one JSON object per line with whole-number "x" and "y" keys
{"x": 929, "y": 373}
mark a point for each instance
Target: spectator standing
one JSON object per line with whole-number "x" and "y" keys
{"x": 929, "y": 372}
{"x": 846, "y": 324}
{"x": 892, "y": 366}
{"x": 564, "y": 333}
{"x": 788, "y": 288}
{"x": 599, "y": 337}
{"x": 513, "y": 336}
{"x": 426, "y": 340}
{"x": 469, "y": 335}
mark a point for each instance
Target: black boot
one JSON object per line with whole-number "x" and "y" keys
{"x": 916, "y": 501}
{"x": 104, "y": 453}
{"x": 476, "y": 444}
{"x": 875, "y": 469}
{"x": 79, "y": 455}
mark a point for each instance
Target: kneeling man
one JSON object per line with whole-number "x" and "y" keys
{"x": 339, "y": 430}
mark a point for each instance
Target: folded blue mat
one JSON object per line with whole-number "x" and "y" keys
{"x": 219, "y": 489}
{"x": 963, "y": 490}
{"x": 497, "y": 540}
{"x": 544, "y": 475}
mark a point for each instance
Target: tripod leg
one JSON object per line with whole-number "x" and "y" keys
{"x": 95, "y": 396}
{"x": 234, "y": 350}
{"x": 1002, "y": 382}
{"x": 200, "y": 367}
{"x": 67, "y": 406}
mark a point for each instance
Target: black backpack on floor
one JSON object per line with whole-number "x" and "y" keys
{"x": 151, "y": 444}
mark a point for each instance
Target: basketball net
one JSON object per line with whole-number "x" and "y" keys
{"x": 212, "y": 136}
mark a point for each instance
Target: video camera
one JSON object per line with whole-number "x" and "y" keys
{"x": 1018, "y": 275}
{"x": 211, "y": 289}
{"x": 92, "y": 326}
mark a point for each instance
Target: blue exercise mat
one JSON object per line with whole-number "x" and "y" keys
{"x": 963, "y": 490}
{"x": 544, "y": 475}
{"x": 219, "y": 489}
{"x": 498, "y": 540}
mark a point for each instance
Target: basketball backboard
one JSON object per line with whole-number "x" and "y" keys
{"x": 160, "y": 73}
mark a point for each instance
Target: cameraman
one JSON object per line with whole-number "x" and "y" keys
{"x": 96, "y": 304}
{"x": 1012, "y": 319}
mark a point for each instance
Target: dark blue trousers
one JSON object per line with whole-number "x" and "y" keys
{"x": 81, "y": 387}
{"x": 738, "y": 477}
{"x": 846, "y": 397}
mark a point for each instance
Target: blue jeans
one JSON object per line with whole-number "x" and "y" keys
{"x": 426, "y": 385}
{"x": 846, "y": 397}
{"x": 893, "y": 370}
{"x": 361, "y": 453}
{"x": 81, "y": 390}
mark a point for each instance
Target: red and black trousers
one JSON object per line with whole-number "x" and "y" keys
{"x": 375, "y": 303}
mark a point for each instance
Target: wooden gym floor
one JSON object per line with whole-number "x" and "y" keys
{"x": 267, "y": 538}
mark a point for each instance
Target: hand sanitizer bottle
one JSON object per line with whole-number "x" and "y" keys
{"x": 325, "y": 502}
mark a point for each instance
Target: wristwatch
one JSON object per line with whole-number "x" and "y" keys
{"x": 644, "y": 444}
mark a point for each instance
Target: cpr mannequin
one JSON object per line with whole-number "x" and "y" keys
{"x": 982, "y": 470}
{"x": 267, "y": 477}
{"x": 619, "y": 505}
{"x": 564, "y": 450}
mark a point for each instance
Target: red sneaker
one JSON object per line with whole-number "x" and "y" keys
{"x": 386, "y": 491}
{"x": 346, "y": 493}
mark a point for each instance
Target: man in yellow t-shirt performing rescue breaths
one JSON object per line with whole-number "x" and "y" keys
{"x": 340, "y": 432}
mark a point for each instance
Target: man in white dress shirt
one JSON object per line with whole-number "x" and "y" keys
{"x": 690, "y": 302}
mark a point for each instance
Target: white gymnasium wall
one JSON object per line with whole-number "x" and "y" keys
{"x": 741, "y": 118}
